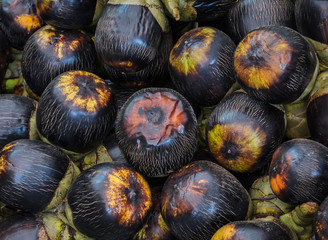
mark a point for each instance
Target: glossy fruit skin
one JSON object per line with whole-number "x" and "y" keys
{"x": 109, "y": 201}
{"x": 260, "y": 229}
{"x": 212, "y": 10}
{"x": 76, "y": 111}
{"x": 132, "y": 46}
{"x": 276, "y": 64}
{"x": 19, "y": 20}
{"x": 201, "y": 65}
{"x": 242, "y": 132}
{"x": 156, "y": 129}
{"x": 73, "y": 14}
{"x": 30, "y": 173}
{"x": 15, "y": 116}
{"x": 321, "y": 221}
{"x": 298, "y": 171}
{"x": 245, "y": 16}
{"x": 311, "y": 19}
{"x": 56, "y": 51}
{"x": 201, "y": 197}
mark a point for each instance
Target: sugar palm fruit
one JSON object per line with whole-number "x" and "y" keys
{"x": 244, "y": 16}
{"x": 19, "y": 20}
{"x": 156, "y": 129}
{"x": 276, "y": 64}
{"x": 17, "y": 118}
{"x": 201, "y": 197}
{"x": 242, "y": 132}
{"x": 311, "y": 20}
{"x": 133, "y": 41}
{"x": 34, "y": 176}
{"x": 55, "y": 51}
{"x": 76, "y": 112}
{"x": 298, "y": 171}
{"x": 321, "y": 221}
{"x": 108, "y": 201}
{"x": 73, "y": 14}
{"x": 201, "y": 65}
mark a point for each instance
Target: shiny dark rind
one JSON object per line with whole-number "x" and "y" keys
{"x": 19, "y": 20}
{"x": 73, "y": 14}
{"x": 242, "y": 132}
{"x": 320, "y": 221}
{"x": 153, "y": 139}
{"x": 263, "y": 229}
{"x": 311, "y": 19}
{"x": 214, "y": 10}
{"x": 244, "y": 16}
{"x": 133, "y": 49}
{"x": 30, "y": 173}
{"x": 285, "y": 64}
{"x": 15, "y": 117}
{"x": 56, "y": 51}
{"x": 76, "y": 111}
{"x": 317, "y": 116}
{"x": 200, "y": 198}
{"x": 4, "y": 57}
{"x": 299, "y": 171}
{"x": 109, "y": 201}
{"x": 113, "y": 149}
{"x": 201, "y": 65}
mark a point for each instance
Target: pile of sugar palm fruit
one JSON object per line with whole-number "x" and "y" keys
{"x": 163, "y": 119}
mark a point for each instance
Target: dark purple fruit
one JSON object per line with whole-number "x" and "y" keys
{"x": 321, "y": 221}
{"x": 200, "y": 198}
{"x": 156, "y": 129}
{"x": 299, "y": 171}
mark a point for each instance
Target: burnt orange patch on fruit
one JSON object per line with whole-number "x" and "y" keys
{"x": 44, "y": 6}
{"x": 191, "y": 50}
{"x": 155, "y": 117}
{"x": 236, "y": 146}
{"x": 28, "y": 21}
{"x": 4, "y": 156}
{"x": 278, "y": 183}
{"x": 84, "y": 90}
{"x": 225, "y": 233}
{"x": 261, "y": 58}
{"x": 128, "y": 196}
{"x": 186, "y": 196}
{"x": 61, "y": 44}
{"x": 124, "y": 65}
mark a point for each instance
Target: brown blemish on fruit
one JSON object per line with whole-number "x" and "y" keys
{"x": 193, "y": 52}
{"x": 72, "y": 84}
{"x": 236, "y": 146}
{"x": 278, "y": 184}
{"x": 123, "y": 65}
{"x": 28, "y": 22}
{"x": 261, "y": 58}
{"x": 44, "y": 6}
{"x": 155, "y": 117}
{"x": 128, "y": 205}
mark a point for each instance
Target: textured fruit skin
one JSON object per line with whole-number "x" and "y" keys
{"x": 201, "y": 65}
{"x": 311, "y": 19}
{"x": 276, "y": 64}
{"x": 200, "y": 198}
{"x": 30, "y": 174}
{"x": 252, "y": 229}
{"x": 156, "y": 130}
{"x": 242, "y": 132}
{"x": 244, "y": 16}
{"x": 214, "y": 10}
{"x": 19, "y": 20}
{"x": 298, "y": 171}
{"x": 132, "y": 46}
{"x": 73, "y": 14}
{"x": 109, "y": 201}
{"x": 56, "y": 51}
{"x": 321, "y": 221}
{"x": 76, "y": 111}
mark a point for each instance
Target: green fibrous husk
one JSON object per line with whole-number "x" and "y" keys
{"x": 322, "y": 53}
{"x": 155, "y": 7}
{"x": 100, "y": 155}
{"x": 201, "y": 125}
{"x": 265, "y": 202}
{"x": 300, "y": 220}
{"x": 297, "y": 126}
